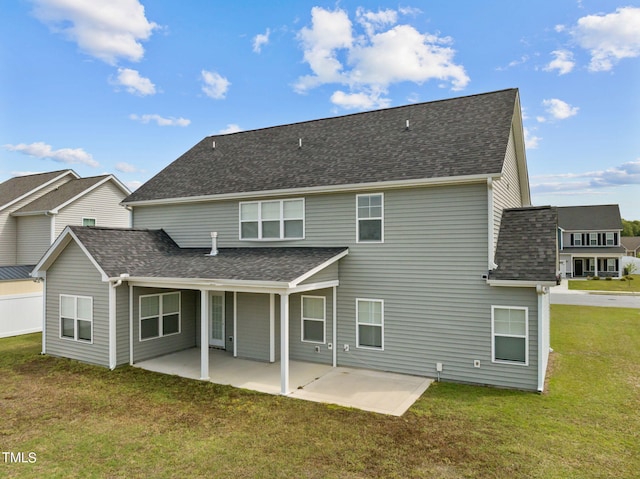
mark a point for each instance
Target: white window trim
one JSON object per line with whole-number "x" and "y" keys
{"x": 324, "y": 320}
{"x": 612, "y": 268}
{"x": 370, "y": 348}
{"x": 160, "y": 315}
{"x": 593, "y": 237}
{"x": 381, "y": 218}
{"x": 609, "y": 237}
{"x": 281, "y": 219}
{"x": 75, "y": 318}
{"x": 95, "y": 220}
{"x": 526, "y": 336}
{"x": 577, "y": 239}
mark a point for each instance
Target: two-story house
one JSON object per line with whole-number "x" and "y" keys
{"x": 589, "y": 241}
{"x": 34, "y": 209}
{"x": 398, "y": 240}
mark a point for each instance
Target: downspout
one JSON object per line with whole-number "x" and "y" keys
{"x": 541, "y": 291}
{"x": 490, "y": 225}
{"x": 112, "y": 320}
{"x": 44, "y": 312}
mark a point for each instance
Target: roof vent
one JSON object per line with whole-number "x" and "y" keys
{"x": 214, "y": 145}
{"x": 214, "y": 244}
{"x": 299, "y": 143}
{"x": 407, "y": 126}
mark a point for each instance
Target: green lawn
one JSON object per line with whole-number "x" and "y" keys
{"x": 84, "y": 421}
{"x": 607, "y": 285}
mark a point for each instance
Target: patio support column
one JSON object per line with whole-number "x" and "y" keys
{"x": 284, "y": 343}
{"x": 204, "y": 335}
{"x": 272, "y": 328}
{"x": 595, "y": 266}
{"x": 235, "y": 324}
{"x": 335, "y": 326}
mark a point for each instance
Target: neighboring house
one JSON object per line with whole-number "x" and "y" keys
{"x": 34, "y": 209}
{"x": 631, "y": 245}
{"x": 589, "y": 241}
{"x": 399, "y": 240}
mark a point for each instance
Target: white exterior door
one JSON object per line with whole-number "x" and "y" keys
{"x": 216, "y": 326}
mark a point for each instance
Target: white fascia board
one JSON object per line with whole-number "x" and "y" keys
{"x": 317, "y": 269}
{"x": 314, "y": 286}
{"x": 509, "y": 283}
{"x": 36, "y": 213}
{"x": 208, "y": 284}
{"x": 44, "y": 185}
{"x": 449, "y": 180}
{"x": 521, "y": 154}
{"x": 57, "y": 247}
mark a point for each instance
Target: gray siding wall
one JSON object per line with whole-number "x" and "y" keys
{"x": 506, "y": 190}
{"x": 122, "y": 324}
{"x": 253, "y": 326}
{"x": 306, "y": 351}
{"x": 74, "y": 274}
{"x": 428, "y": 272}
{"x": 9, "y": 226}
{"x": 330, "y": 273}
{"x": 152, "y": 348}
{"x": 101, "y": 203}
{"x": 34, "y": 238}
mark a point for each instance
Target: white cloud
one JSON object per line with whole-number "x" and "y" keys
{"x": 133, "y": 185}
{"x": 563, "y": 62}
{"x": 107, "y": 30}
{"x": 368, "y": 62}
{"x": 63, "y": 155}
{"x": 609, "y": 38}
{"x": 530, "y": 140}
{"x": 160, "y": 121}
{"x": 559, "y": 109}
{"x": 568, "y": 183}
{"x": 127, "y": 168}
{"x": 134, "y": 83}
{"x": 231, "y": 128}
{"x": 261, "y": 39}
{"x": 215, "y": 85}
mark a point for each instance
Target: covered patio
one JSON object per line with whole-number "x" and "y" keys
{"x": 380, "y": 392}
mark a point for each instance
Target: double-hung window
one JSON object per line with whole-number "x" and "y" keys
{"x": 272, "y": 220}
{"x": 76, "y": 317}
{"x": 370, "y": 218}
{"x": 370, "y": 323}
{"x": 313, "y": 319}
{"x": 611, "y": 264}
{"x": 593, "y": 239}
{"x": 577, "y": 239}
{"x": 88, "y": 221}
{"x": 509, "y": 326}
{"x": 610, "y": 239}
{"x": 159, "y": 315}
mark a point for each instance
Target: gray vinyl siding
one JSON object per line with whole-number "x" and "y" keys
{"x": 74, "y": 274}
{"x": 506, "y": 190}
{"x": 428, "y": 272}
{"x": 151, "y": 348}
{"x": 253, "y": 326}
{"x": 101, "y": 203}
{"x": 122, "y": 324}
{"x": 34, "y": 238}
{"x": 330, "y": 273}
{"x": 306, "y": 351}
{"x": 9, "y": 224}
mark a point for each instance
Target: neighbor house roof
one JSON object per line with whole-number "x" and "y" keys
{"x": 631, "y": 243}
{"x": 65, "y": 194}
{"x": 589, "y": 218}
{"x": 527, "y": 245}
{"x": 13, "y": 273}
{"x": 19, "y": 186}
{"x": 460, "y": 137}
{"x": 143, "y": 253}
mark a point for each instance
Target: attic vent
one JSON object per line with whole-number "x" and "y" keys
{"x": 299, "y": 142}
{"x": 214, "y": 145}
{"x": 407, "y": 126}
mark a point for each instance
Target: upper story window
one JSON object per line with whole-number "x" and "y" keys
{"x": 610, "y": 239}
{"x": 370, "y": 218}
{"x": 272, "y": 220}
{"x": 593, "y": 239}
{"x": 577, "y": 239}
{"x": 88, "y": 221}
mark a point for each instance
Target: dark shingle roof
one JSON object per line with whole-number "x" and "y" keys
{"x": 60, "y": 195}
{"x": 153, "y": 254}
{"x": 527, "y": 245}
{"x": 589, "y": 218}
{"x": 448, "y": 138}
{"x": 16, "y": 187}
{"x": 630, "y": 242}
{"x": 12, "y": 273}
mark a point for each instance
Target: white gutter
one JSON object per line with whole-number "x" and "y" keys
{"x": 519, "y": 284}
{"x": 449, "y": 180}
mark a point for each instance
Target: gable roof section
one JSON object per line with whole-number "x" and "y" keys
{"x": 13, "y": 273}
{"x": 14, "y": 189}
{"x": 65, "y": 194}
{"x": 589, "y": 218}
{"x": 144, "y": 254}
{"x": 631, "y": 243}
{"x": 527, "y": 245}
{"x": 460, "y": 137}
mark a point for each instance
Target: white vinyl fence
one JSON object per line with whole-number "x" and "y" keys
{"x": 20, "y": 314}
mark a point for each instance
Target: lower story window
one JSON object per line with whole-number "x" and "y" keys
{"x": 370, "y": 323}
{"x": 611, "y": 264}
{"x": 313, "y": 319}
{"x": 509, "y": 326}
{"x": 76, "y": 317}
{"x": 159, "y": 315}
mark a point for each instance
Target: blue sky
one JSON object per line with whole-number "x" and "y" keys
{"x": 127, "y": 86}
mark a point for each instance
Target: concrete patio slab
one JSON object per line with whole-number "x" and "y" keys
{"x": 381, "y": 392}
